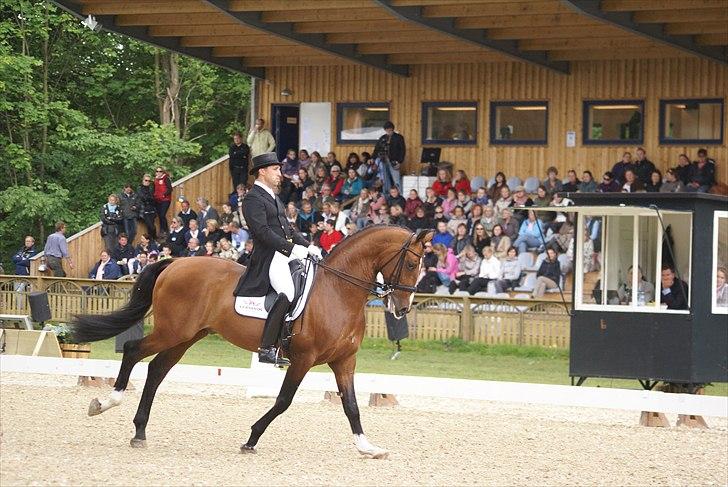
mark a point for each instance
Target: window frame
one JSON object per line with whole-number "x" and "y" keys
{"x": 714, "y": 308}
{"x": 586, "y": 128}
{"x": 426, "y": 105}
{"x": 340, "y": 107}
{"x": 663, "y": 140}
{"x": 494, "y": 105}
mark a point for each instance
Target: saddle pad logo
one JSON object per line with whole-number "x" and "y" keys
{"x": 251, "y": 306}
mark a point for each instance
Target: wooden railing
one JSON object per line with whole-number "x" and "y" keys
{"x": 433, "y": 317}
{"x": 211, "y": 181}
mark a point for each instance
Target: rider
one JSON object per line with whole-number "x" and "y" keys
{"x": 276, "y": 244}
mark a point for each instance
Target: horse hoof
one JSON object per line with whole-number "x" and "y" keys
{"x": 137, "y": 443}
{"x": 247, "y": 449}
{"x": 94, "y": 408}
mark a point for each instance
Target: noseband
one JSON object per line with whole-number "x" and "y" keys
{"x": 390, "y": 285}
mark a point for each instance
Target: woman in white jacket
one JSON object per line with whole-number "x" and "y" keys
{"x": 490, "y": 270}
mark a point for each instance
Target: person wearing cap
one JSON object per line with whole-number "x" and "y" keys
{"x": 277, "y": 242}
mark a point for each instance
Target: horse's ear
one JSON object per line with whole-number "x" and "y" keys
{"x": 424, "y": 236}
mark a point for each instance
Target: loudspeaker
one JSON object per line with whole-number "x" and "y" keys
{"x": 40, "y": 311}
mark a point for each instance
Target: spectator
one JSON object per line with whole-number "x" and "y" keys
{"x": 442, "y": 236}
{"x": 480, "y": 238}
{"x": 468, "y": 268}
{"x": 587, "y": 184}
{"x": 209, "y": 250}
{"x": 146, "y": 245}
{"x": 396, "y": 216}
{"x": 505, "y": 200}
{"x": 238, "y": 236}
{"x": 331, "y": 161}
{"x": 368, "y": 170}
{"x": 646, "y": 288}
{"x": 572, "y": 182}
{"x": 442, "y": 184}
{"x": 489, "y": 219}
{"x": 166, "y": 252}
{"x": 439, "y": 216}
{"x": 130, "y": 206}
{"x": 509, "y": 225}
{"x": 461, "y": 182}
{"x": 162, "y": 196}
{"x": 590, "y": 261}
{"x": 244, "y": 258}
{"x": 320, "y": 179}
{"x": 123, "y": 252}
{"x": 609, "y": 184}
{"x": 314, "y": 166}
{"x": 631, "y": 183}
{"x": 359, "y": 212}
{"x": 289, "y": 171}
{"x": 431, "y": 201}
{"x": 193, "y": 249}
{"x": 674, "y": 291}
{"x": 377, "y": 198}
{"x": 500, "y": 183}
{"x": 447, "y": 264}
{"x": 380, "y": 216}
{"x": 683, "y": 169}
{"x": 138, "y": 263}
{"x": 643, "y": 167}
{"x": 350, "y": 229}
{"x": 21, "y": 258}
{"x": 390, "y": 152}
{"x": 186, "y": 213}
{"x": 339, "y": 217}
{"x": 450, "y": 202}
{"x": 56, "y": 249}
{"x": 500, "y": 242}
{"x": 105, "y": 268}
{"x": 212, "y": 232}
{"x": 464, "y": 201}
{"x": 552, "y": 183}
{"x": 619, "y": 168}
{"x": 481, "y": 197}
{"x": 353, "y": 162}
{"x": 395, "y": 198}
{"x": 193, "y": 232}
{"x": 522, "y": 200}
{"x": 307, "y": 216}
{"x": 672, "y": 184}
{"x": 475, "y": 216}
{"x": 548, "y": 275}
{"x": 655, "y": 182}
{"x": 260, "y": 139}
{"x": 300, "y": 184}
{"x": 303, "y": 160}
{"x": 721, "y": 288}
{"x": 238, "y": 160}
{"x": 419, "y": 221}
{"x": 292, "y": 214}
{"x": 510, "y": 274}
{"x": 530, "y": 234}
{"x": 353, "y": 185}
{"x": 325, "y": 197}
{"x": 112, "y": 221}
{"x": 489, "y": 271}
{"x": 542, "y": 197}
{"x": 177, "y": 237}
{"x": 428, "y": 280}
{"x": 458, "y": 218}
{"x": 330, "y": 237}
{"x": 461, "y": 240}
{"x": 701, "y": 176}
{"x": 413, "y": 202}
{"x": 207, "y": 212}
{"x": 226, "y": 215}
{"x": 560, "y": 240}
{"x": 148, "y": 208}
{"x": 152, "y": 257}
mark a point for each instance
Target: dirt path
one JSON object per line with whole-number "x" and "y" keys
{"x": 195, "y": 431}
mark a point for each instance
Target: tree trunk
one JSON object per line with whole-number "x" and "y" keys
{"x": 170, "y": 108}
{"x": 158, "y": 84}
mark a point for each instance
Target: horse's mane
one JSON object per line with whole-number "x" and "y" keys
{"x": 365, "y": 232}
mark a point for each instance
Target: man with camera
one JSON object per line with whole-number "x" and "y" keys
{"x": 389, "y": 153}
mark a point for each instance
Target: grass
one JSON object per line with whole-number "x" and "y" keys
{"x": 453, "y": 358}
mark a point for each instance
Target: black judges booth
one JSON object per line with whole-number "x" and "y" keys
{"x": 619, "y": 327}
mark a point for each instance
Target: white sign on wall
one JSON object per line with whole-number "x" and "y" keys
{"x": 570, "y": 138}
{"x": 315, "y": 127}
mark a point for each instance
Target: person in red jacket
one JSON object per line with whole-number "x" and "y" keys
{"x": 336, "y": 181}
{"x": 461, "y": 182}
{"x": 412, "y": 203}
{"x": 330, "y": 237}
{"x": 162, "y": 197}
{"x": 442, "y": 184}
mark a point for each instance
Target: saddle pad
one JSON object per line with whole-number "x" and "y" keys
{"x": 258, "y": 306}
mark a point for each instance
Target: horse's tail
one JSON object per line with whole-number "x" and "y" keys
{"x": 92, "y": 328}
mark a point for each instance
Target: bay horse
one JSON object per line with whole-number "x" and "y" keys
{"x": 193, "y": 297}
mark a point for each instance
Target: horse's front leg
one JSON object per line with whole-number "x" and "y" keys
{"x": 344, "y": 372}
{"x": 294, "y": 375}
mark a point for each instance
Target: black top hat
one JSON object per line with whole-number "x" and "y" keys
{"x": 264, "y": 160}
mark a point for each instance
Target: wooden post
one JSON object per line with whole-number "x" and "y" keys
{"x": 377, "y": 399}
{"x": 653, "y": 419}
{"x": 466, "y": 320}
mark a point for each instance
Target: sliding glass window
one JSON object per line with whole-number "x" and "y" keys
{"x": 358, "y": 123}
{"x": 519, "y": 122}
{"x": 691, "y": 121}
{"x": 454, "y": 123}
{"x": 615, "y": 122}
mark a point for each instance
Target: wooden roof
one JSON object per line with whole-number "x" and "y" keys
{"x": 249, "y": 35}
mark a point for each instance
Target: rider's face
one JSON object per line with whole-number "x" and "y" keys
{"x": 271, "y": 176}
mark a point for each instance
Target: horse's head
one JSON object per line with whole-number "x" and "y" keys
{"x": 401, "y": 270}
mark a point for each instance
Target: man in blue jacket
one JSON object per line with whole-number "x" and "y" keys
{"x": 105, "y": 268}
{"x": 21, "y": 259}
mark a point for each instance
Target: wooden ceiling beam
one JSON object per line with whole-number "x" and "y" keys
{"x": 231, "y": 41}
{"x": 448, "y": 58}
{"x": 582, "y": 43}
{"x": 351, "y": 26}
{"x": 490, "y": 22}
{"x": 637, "y": 5}
{"x": 392, "y": 37}
{"x": 145, "y": 8}
{"x": 680, "y": 16}
{"x": 271, "y": 5}
{"x": 200, "y": 30}
{"x": 266, "y": 61}
{"x": 416, "y": 47}
{"x": 611, "y": 54}
{"x": 212, "y": 18}
{"x": 424, "y": 3}
{"x": 555, "y": 32}
{"x": 694, "y": 29}
{"x": 465, "y": 9}
{"x": 712, "y": 39}
{"x": 258, "y": 51}
{"x": 338, "y": 15}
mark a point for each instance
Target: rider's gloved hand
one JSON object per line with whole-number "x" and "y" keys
{"x": 299, "y": 252}
{"x": 314, "y": 251}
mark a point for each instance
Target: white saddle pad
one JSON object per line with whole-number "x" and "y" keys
{"x": 255, "y": 306}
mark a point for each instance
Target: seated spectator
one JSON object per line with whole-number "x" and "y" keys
{"x": 226, "y": 215}
{"x": 457, "y": 218}
{"x": 489, "y": 219}
{"x": 166, "y": 252}
{"x": 447, "y": 264}
{"x": 146, "y": 244}
{"x": 428, "y": 281}
{"x": 557, "y": 218}
{"x": 292, "y": 214}
{"x": 560, "y": 240}
{"x": 505, "y": 200}
{"x": 682, "y": 170}
{"x": 442, "y": 236}
{"x": 304, "y": 159}
{"x": 631, "y": 183}
{"x": 530, "y": 234}
{"x": 413, "y": 202}
{"x": 314, "y": 165}
{"x": 543, "y": 198}
{"x": 351, "y": 229}
{"x": 450, "y": 202}
{"x": 193, "y": 249}
{"x": 674, "y": 291}
{"x": 461, "y": 182}
{"x": 548, "y": 275}
{"x": 381, "y": 216}
{"x": 509, "y": 225}
{"x": 331, "y": 161}
{"x": 193, "y": 232}
{"x": 377, "y": 198}
{"x": 212, "y": 232}
{"x": 480, "y": 238}
{"x": 510, "y": 274}
{"x": 672, "y": 184}
{"x": 474, "y": 217}
{"x": 552, "y": 183}
{"x": 207, "y": 212}
{"x": 500, "y": 242}
{"x": 187, "y": 214}
{"x": 442, "y": 184}
{"x": 21, "y": 258}
{"x": 236, "y": 197}
{"x": 489, "y": 271}
{"x": 461, "y": 240}
{"x": 353, "y": 162}
{"x": 138, "y": 263}
{"x": 122, "y": 252}
{"x": 112, "y": 221}
{"x": 701, "y": 176}
{"x": 439, "y": 216}
{"x": 590, "y": 261}
{"x": 336, "y": 182}
{"x": 587, "y": 184}
{"x": 307, "y": 215}
{"x": 395, "y": 198}
{"x": 352, "y": 186}
{"x": 495, "y": 191}
{"x": 721, "y": 288}
{"x": 522, "y": 200}
{"x": 643, "y": 167}
{"x": 319, "y": 179}
{"x": 655, "y": 183}
{"x": 105, "y": 268}
{"x": 244, "y": 258}
{"x": 609, "y": 184}
{"x": 330, "y": 237}
{"x": 396, "y": 216}
{"x": 239, "y": 236}
{"x": 468, "y": 268}
{"x": 464, "y": 201}
{"x": 300, "y": 184}
{"x": 572, "y": 182}
{"x": 176, "y": 238}
{"x": 431, "y": 201}
{"x": 368, "y": 170}
{"x": 326, "y": 197}
{"x": 619, "y": 168}
{"x": 645, "y": 288}
{"x": 481, "y": 197}
{"x": 210, "y": 250}
{"x": 419, "y": 221}
{"x": 359, "y": 212}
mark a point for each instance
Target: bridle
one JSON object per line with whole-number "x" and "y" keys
{"x": 390, "y": 285}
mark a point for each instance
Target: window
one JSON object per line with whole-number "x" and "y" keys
{"x": 720, "y": 263}
{"x": 613, "y": 122}
{"x": 519, "y": 123}
{"x": 357, "y": 123}
{"x": 691, "y": 121}
{"x": 449, "y": 123}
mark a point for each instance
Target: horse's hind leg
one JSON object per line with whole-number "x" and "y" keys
{"x": 156, "y": 372}
{"x": 344, "y": 373}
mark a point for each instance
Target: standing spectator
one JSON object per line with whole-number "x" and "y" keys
{"x": 56, "y": 249}
{"x": 413, "y": 202}
{"x": 289, "y": 171}
{"x": 530, "y": 234}
{"x": 260, "y": 139}
{"x": 609, "y": 184}
{"x": 655, "y": 183}
{"x": 105, "y": 268}
{"x": 674, "y": 291}
{"x": 207, "y": 212}
{"x": 330, "y": 237}
{"x": 176, "y": 236}
{"x": 510, "y": 272}
{"x": 587, "y": 184}
{"x": 442, "y": 184}
{"x": 672, "y": 184}
{"x": 499, "y": 183}
{"x": 643, "y": 168}
{"x": 162, "y": 197}
{"x": 701, "y": 176}
{"x": 552, "y": 183}
{"x": 468, "y": 268}
{"x": 238, "y": 160}
{"x": 683, "y": 169}
{"x": 112, "y": 221}
{"x": 489, "y": 271}
{"x": 148, "y": 209}
{"x": 130, "y": 206}
{"x": 186, "y": 214}
{"x": 548, "y": 275}
{"x": 620, "y": 167}
{"x": 631, "y": 183}
{"x": 500, "y": 242}
{"x": 390, "y": 152}
{"x": 21, "y": 258}
{"x": 461, "y": 182}
{"x": 353, "y": 184}
{"x": 572, "y": 182}
{"x": 122, "y": 252}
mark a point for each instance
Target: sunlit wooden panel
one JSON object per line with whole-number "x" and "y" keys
{"x": 249, "y": 40}
{"x": 173, "y": 19}
{"x": 200, "y": 30}
{"x": 117, "y": 8}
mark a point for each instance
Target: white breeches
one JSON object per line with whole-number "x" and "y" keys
{"x": 280, "y": 275}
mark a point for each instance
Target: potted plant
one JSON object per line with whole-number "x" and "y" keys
{"x": 68, "y": 350}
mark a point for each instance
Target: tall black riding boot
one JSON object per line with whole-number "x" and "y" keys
{"x": 272, "y": 330}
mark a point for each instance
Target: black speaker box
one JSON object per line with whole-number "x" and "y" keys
{"x": 40, "y": 311}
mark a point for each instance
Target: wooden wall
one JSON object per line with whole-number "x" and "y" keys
{"x": 650, "y": 80}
